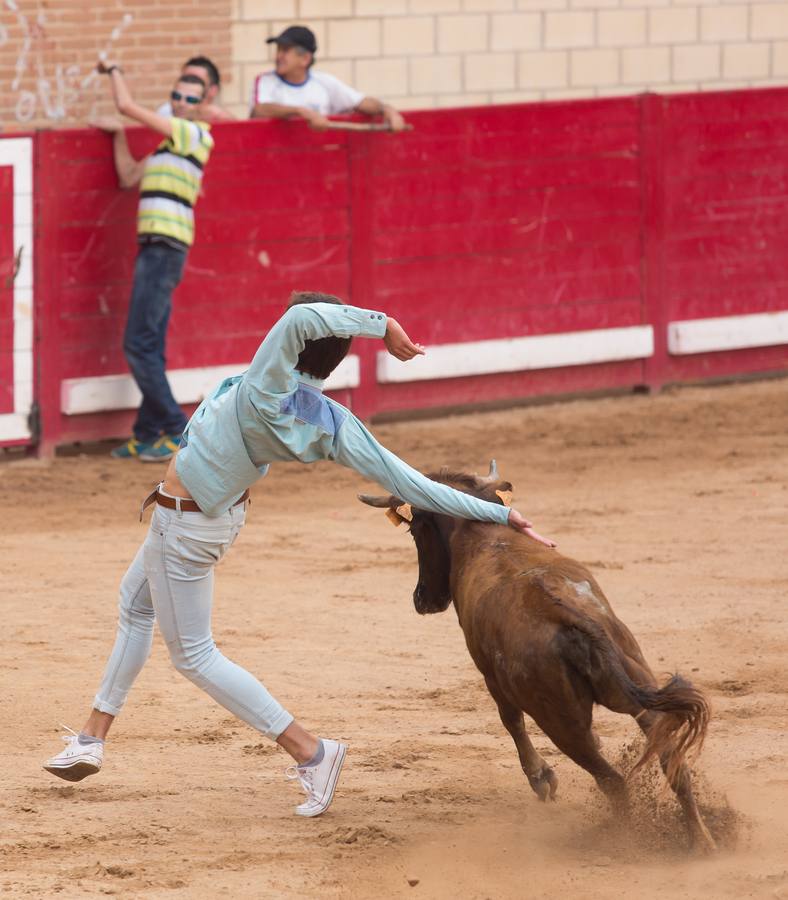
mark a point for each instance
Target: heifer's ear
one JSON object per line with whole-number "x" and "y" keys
{"x": 504, "y": 492}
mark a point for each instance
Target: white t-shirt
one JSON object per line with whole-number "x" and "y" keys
{"x": 322, "y": 92}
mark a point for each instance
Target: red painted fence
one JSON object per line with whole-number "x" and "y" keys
{"x": 643, "y": 230}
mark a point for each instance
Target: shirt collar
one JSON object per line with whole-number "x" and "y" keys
{"x": 310, "y": 381}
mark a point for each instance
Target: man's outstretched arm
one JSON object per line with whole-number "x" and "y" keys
{"x": 127, "y": 106}
{"x": 357, "y": 449}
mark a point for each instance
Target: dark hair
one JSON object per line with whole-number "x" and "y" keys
{"x": 204, "y": 63}
{"x": 302, "y": 51}
{"x": 193, "y": 79}
{"x": 319, "y": 358}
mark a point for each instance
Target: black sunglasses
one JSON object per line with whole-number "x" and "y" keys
{"x": 177, "y": 95}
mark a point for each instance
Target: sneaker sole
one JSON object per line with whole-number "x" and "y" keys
{"x": 328, "y": 796}
{"x": 75, "y": 772}
{"x": 155, "y": 459}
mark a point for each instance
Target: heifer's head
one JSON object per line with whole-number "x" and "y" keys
{"x": 432, "y": 532}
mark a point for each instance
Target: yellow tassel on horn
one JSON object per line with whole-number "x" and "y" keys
{"x": 405, "y": 511}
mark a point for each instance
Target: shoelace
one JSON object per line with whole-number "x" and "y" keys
{"x": 304, "y": 776}
{"x": 68, "y": 738}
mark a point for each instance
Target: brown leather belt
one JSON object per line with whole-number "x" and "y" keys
{"x": 185, "y": 505}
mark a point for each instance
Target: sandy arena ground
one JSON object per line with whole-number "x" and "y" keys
{"x": 678, "y": 503}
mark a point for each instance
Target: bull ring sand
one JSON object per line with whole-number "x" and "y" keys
{"x": 679, "y": 505}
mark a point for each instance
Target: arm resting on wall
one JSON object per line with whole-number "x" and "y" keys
{"x": 279, "y": 111}
{"x": 371, "y": 106}
{"x": 128, "y": 168}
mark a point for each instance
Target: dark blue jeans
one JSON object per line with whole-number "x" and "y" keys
{"x": 157, "y": 272}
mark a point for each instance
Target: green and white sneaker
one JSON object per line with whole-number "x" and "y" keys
{"x": 130, "y": 450}
{"x": 161, "y": 449}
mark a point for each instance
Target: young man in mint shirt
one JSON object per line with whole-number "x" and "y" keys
{"x": 274, "y": 412}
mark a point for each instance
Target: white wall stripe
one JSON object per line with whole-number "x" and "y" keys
{"x": 18, "y": 153}
{"x": 727, "y": 333}
{"x": 107, "y": 392}
{"x": 544, "y": 351}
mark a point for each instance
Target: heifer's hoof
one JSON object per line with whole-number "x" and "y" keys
{"x": 544, "y": 783}
{"x": 701, "y": 841}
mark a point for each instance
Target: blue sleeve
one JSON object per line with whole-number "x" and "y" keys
{"x": 357, "y": 449}
{"x": 272, "y": 371}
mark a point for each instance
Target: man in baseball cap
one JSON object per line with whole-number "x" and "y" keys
{"x": 296, "y": 36}
{"x": 294, "y": 90}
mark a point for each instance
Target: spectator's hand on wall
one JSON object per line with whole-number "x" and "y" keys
{"x": 393, "y": 119}
{"x": 315, "y": 120}
{"x": 107, "y": 123}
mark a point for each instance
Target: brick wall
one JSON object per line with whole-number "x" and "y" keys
{"x": 48, "y": 51}
{"x": 415, "y": 53}
{"x": 433, "y": 53}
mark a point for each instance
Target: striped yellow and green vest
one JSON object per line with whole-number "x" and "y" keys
{"x": 171, "y": 184}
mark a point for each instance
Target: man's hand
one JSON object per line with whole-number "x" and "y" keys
{"x": 314, "y": 119}
{"x": 521, "y": 524}
{"x": 398, "y": 343}
{"x": 107, "y": 123}
{"x": 103, "y": 66}
{"x": 393, "y": 119}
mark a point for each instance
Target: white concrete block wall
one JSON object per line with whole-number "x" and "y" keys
{"x": 423, "y": 54}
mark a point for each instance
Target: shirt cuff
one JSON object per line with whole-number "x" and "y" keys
{"x": 373, "y": 323}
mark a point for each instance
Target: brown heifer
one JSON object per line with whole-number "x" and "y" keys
{"x": 547, "y": 642}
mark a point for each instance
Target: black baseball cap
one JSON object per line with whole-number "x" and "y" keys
{"x": 296, "y": 36}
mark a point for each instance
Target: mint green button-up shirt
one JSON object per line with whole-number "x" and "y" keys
{"x": 274, "y": 413}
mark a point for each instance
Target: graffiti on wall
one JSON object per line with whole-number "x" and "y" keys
{"x": 43, "y": 92}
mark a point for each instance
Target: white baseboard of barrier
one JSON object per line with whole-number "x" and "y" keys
{"x": 543, "y": 351}
{"x": 727, "y": 333}
{"x": 14, "y": 427}
{"x": 111, "y": 392}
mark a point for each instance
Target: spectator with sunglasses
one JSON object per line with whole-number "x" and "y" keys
{"x": 170, "y": 180}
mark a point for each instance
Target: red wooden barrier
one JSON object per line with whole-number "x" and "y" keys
{"x": 6, "y": 290}
{"x": 17, "y": 253}
{"x": 538, "y": 249}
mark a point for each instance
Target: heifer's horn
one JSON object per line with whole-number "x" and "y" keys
{"x": 492, "y": 475}
{"x": 377, "y": 502}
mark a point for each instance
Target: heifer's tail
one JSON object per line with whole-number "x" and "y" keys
{"x": 679, "y": 730}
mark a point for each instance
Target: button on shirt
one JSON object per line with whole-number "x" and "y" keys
{"x": 272, "y": 412}
{"x": 321, "y": 92}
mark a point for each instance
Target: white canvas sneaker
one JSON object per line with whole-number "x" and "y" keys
{"x": 77, "y": 761}
{"x": 320, "y": 781}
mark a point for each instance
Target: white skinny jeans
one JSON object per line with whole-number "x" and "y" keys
{"x": 171, "y": 582}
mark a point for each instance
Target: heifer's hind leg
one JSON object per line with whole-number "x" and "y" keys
{"x": 575, "y": 738}
{"x": 699, "y": 835}
{"x": 540, "y": 776}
